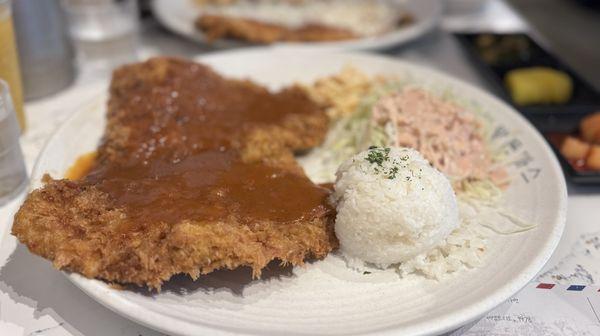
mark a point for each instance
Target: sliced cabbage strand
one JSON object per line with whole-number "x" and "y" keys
{"x": 485, "y": 197}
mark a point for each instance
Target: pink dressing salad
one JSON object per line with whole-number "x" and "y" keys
{"x": 447, "y": 135}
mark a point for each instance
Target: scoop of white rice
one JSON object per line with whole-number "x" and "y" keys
{"x": 392, "y": 206}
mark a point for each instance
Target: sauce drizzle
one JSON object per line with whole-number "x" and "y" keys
{"x": 183, "y": 155}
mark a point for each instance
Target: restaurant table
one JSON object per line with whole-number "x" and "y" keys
{"x": 35, "y": 299}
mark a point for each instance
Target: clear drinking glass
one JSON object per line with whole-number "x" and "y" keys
{"x": 13, "y": 175}
{"x": 104, "y": 32}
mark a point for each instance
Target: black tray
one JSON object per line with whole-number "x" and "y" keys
{"x": 547, "y": 118}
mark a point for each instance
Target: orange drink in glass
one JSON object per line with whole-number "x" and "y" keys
{"x": 9, "y": 61}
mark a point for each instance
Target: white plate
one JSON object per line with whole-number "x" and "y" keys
{"x": 325, "y": 297}
{"x": 179, "y": 16}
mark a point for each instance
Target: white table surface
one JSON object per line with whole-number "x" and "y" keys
{"x": 35, "y": 299}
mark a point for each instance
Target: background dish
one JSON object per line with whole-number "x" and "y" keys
{"x": 326, "y": 297}
{"x": 179, "y": 15}
{"x": 548, "y": 117}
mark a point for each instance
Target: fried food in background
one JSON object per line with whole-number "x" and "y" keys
{"x": 265, "y": 21}
{"x": 229, "y": 2}
{"x": 217, "y": 27}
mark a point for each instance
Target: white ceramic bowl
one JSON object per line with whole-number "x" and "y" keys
{"x": 325, "y": 297}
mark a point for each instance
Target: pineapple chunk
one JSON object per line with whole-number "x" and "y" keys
{"x": 590, "y": 128}
{"x": 593, "y": 160}
{"x": 574, "y": 149}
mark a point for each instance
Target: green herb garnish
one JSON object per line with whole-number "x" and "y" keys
{"x": 379, "y": 155}
{"x": 393, "y": 172}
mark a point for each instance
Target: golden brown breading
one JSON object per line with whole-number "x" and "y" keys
{"x": 78, "y": 229}
{"x": 219, "y": 26}
{"x": 79, "y": 226}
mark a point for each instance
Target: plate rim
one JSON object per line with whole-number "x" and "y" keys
{"x": 395, "y": 37}
{"x": 106, "y": 296}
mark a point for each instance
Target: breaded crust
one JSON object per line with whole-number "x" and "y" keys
{"x": 218, "y": 26}
{"x": 79, "y": 228}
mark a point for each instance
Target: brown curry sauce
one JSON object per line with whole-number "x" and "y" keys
{"x": 183, "y": 162}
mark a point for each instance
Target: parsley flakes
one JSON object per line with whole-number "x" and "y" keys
{"x": 377, "y": 156}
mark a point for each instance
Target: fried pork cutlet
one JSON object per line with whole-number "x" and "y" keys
{"x": 219, "y": 26}
{"x": 195, "y": 173}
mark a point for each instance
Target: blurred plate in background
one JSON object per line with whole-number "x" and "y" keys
{"x": 179, "y": 16}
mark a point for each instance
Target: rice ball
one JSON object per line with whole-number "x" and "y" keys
{"x": 392, "y": 205}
